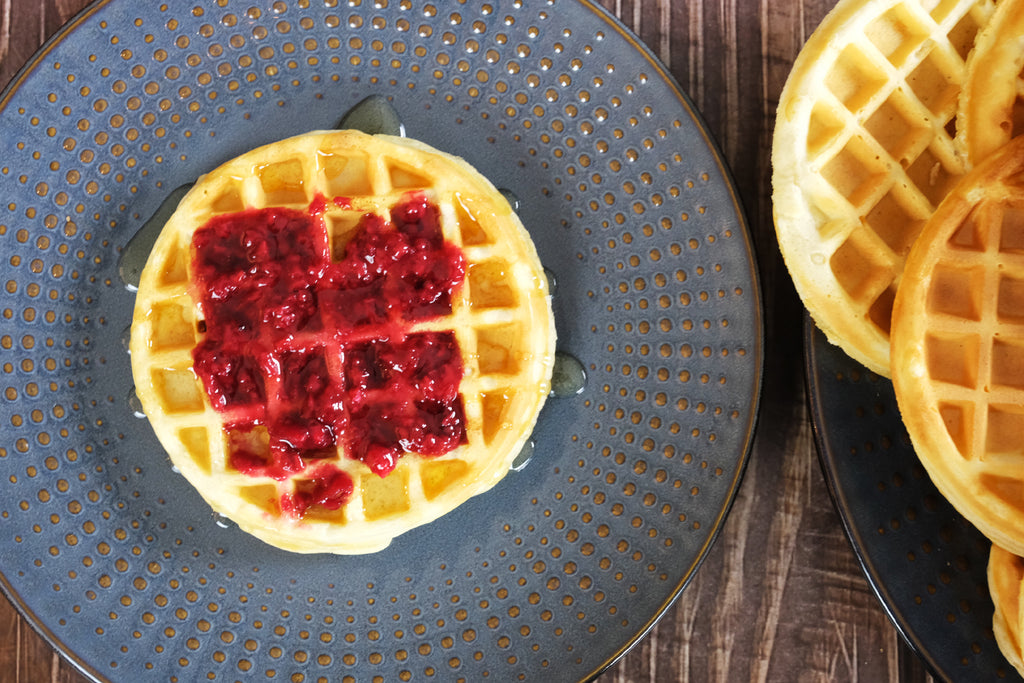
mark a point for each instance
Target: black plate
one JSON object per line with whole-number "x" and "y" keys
{"x": 926, "y": 563}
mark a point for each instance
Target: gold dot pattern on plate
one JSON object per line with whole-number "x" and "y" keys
{"x": 571, "y": 557}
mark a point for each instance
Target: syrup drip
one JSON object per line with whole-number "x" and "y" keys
{"x": 135, "y": 404}
{"x": 552, "y": 282}
{"x": 569, "y": 377}
{"x": 510, "y": 197}
{"x": 373, "y": 115}
{"x": 136, "y": 252}
{"x": 525, "y": 455}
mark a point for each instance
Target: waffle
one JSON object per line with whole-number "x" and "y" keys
{"x": 958, "y": 347}
{"x": 1005, "y": 581}
{"x": 334, "y": 403}
{"x": 992, "y": 101}
{"x": 863, "y": 151}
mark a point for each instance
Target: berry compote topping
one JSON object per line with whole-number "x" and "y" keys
{"x": 302, "y": 354}
{"x": 328, "y": 489}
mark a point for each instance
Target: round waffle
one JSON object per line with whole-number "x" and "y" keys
{"x": 992, "y": 101}
{"x": 958, "y": 347}
{"x": 344, "y": 401}
{"x": 863, "y": 151}
{"x": 1005, "y": 581}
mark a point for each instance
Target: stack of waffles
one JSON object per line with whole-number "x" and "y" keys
{"x": 899, "y": 207}
{"x": 339, "y": 337}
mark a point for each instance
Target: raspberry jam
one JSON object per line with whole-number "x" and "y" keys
{"x": 303, "y": 354}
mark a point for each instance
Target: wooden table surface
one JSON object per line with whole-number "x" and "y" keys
{"x": 780, "y": 596}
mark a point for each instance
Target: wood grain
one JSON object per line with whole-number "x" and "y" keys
{"x": 780, "y": 596}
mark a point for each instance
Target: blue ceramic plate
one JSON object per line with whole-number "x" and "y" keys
{"x": 549, "y": 576}
{"x": 926, "y": 563}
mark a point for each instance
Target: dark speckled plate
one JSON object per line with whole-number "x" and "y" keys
{"x": 925, "y": 562}
{"x": 549, "y": 576}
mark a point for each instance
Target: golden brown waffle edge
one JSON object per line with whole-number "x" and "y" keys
{"x": 991, "y": 104}
{"x": 502, "y": 397}
{"x": 861, "y": 154}
{"x": 1005, "y": 581}
{"x": 958, "y": 347}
